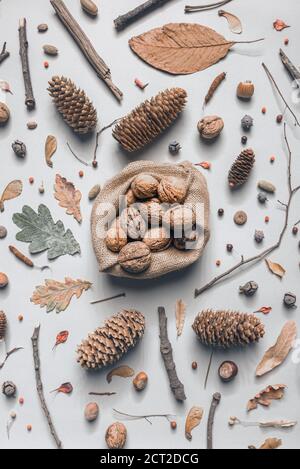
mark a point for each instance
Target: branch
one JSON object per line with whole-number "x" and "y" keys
{"x": 209, "y": 6}
{"x": 39, "y": 384}
{"x": 125, "y": 20}
{"x": 146, "y": 417}
{"x": 8, "y": 354}
{"x": 4, "y": 53}
{"x": 211, "y": 417}
{"x": 292, "y": 191}
{"x": 293, "y": 71}
{"x": 29, "y": 98}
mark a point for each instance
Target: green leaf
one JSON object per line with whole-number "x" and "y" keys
{"x": 42, "y": 233}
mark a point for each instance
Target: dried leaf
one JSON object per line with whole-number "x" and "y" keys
{"x": 5, "y": 86}
{"x": 61, "y": 338}
{"x": 193, "y": 419}
{"x": 204, "y": 164}
{"x": 65, "y": 388}
{"x": 271, "y": 443}
{"x": 50, "y": 149}
{"x": 42, "y": 233}
{"x": 123, "y": 371}
{"x": 266, "y": 396}
{"x": 58, "y": 295}
{"x": 234, "y": 22}
{"x": 68, "y": 197}
{"x": 279, "y": 25}
{"x": 180, "y": 311}
{"x": 12, "y": 190}
{"x": 278, "y": 353}
{"x": 275, "y": 268}
{"x": 264, "y": 310}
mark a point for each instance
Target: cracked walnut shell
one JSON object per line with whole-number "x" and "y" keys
{"x": 132, "y": 222}
{"x": 157, "y": 239}
{"x": 116, "y": 237}
{"x": 135, "y": 257}
{"x": 144, "y": 186}
{"x": 210, "y": 127}
{"x": 172, "y": 190}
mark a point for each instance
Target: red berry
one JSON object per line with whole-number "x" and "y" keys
{"x": 81, "y": 174}
{"x": 218, "y": 263}
{"x": 95, "y": 163}
{"x": 20, "y": 317}
{"x": 272, "y": 159}
{"x": 21, "y": 400}
{"x": 46, "y": 64}
{"x": 264, "y": 110}
{"x": 194, "y": 365}
{"x": 173, "y": 425}
{"x": 286, "y": 41}
{"x": 295, "y": 230}
{"x": 267, "y": 219}
{"x": 31, "y": 180}
{"x": 29, "y": 428}
{"x": 279, "y": 118}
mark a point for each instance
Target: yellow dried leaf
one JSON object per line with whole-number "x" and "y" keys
{"x": 68, "y": 197}
{"x": 275, "y": 355}
{"x": 193, "y": 419}
{"x": 12, "y": 190}
{"x": 265, "y": 397}
{"x": 180, "y": 310}
{"x": 123, "y": 371}
{"x": 50, "y": 149}
{"x": 275, "y": 268}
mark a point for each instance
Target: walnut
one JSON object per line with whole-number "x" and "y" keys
{"x": 179, "y": 217}
{"x": 188, "y": 240}
{"x": 132, "y": 223}
{"x": 144, "y": 186}
{"x": 130, "y": 197}
{"x": 116, "y": 237}
{"x": 172, "y": 190}
{"x": 157, "y": 239}
{"x": 152, "y": 212}
{"x": 210, "y": 127}
{"x": 135, "y": 257}
{"x": 4, "y": 113}
{"x": 116, "y": 435}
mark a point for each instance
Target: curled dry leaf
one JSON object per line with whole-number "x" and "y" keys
{"x": 123, "y": 371}
{"x": 68, "y": 197}
{"x": 5, "y": 86}
{"x": 65, "y": 388}
{"x": 264, "y": 310}
{"x": 50, "y": 149}
{"x": 234, "y": 22}
{"x": 275, "y": 268}
{"x": 276, "y": 355}
{"x": 266, "y": 396}
{"x": 61, "y": 338}
{"x": 270, "y": 443}
{"x": 180, "y": 311}
{"x": 12, "y": 190}
{"x": 279, "y": 25}
{"x": 193, "y": 419}
{"x": 58, "y": 295}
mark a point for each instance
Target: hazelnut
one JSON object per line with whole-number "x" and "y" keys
{"x": 132, "y": 222}
{"x": 130, "y": 197}
{"x": 210, "y": 127}
{"x": 180, "y": 218}
{"x": 116, "y": 435}
{"x": 135, "y": 257}
{"x": 116, "y": 237}
{"x": 3, "y": 280}
{"x": 172, "y": 190}
{"x": 91, "y": 411}
{"x": 144, "y": 186}
{"x": 4, "y": 113}
{"x": 157, "y": 239}
{"x": 245, "y": 90}
{"x": 152, "y": 212}
{"x": 140, "y": 381}
{"x": 188, "y": 240}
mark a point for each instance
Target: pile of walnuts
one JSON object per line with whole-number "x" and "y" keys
{"x": 154, "y": 218}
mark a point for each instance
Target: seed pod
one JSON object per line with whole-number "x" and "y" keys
{"x": 290, "y": 300}
{"x": 262, "y": 198}
{"x": 19, "y": 148}
{"x": 50, "y": 50}
{"x": 249, "y": 289}
{"x": 259, "y": 236}
{"x": 89, "y": 7}
{"x": 247, "y": 122}
{"x": 9, "y": 389}
{"x": 228, "y": 371}
{"x": 140, "y": 381}
{"x": 94, "y": 192}
{"x": 266, "y": 186}
{"x": 116, "y": 435}
{"x": 91, "y": 411}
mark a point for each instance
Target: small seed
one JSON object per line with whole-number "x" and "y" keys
{"x": 3, "y": 232}
{"x": 42, "y": 28}
{"x": 229, "y": 247}
{"x": 240, "y": 217}
{"x": 259, "y": 236}
{"x": 46, "y": 64}
{"x": 31, "y": 125}
{"x": 91, "y": 411}
{"x": 295, "y": 230}
{"x": 89, "y": 7}
{"x": 221, "y": 212}
{"x": 264, "y": 110}
{"x": 81, "y": 174}
{"x": 290, "y": 300}
{"x": 29, "y": 427}
{"x": 267, "y": 219}
{"x": 244, "y": 139}
{"x": 194, "y": 365}
{"x": 173, "y": 425}
{"x": 50, "y": 50}
{"x": 20, "y": 317}
{"x": 140, "y": 381}
{"x": 31, "y": 180}
{"x": 266, "y": 186}
{"x": 174, "y": 147}
{"x": 279, "y": 118}
{"x": 218, "y": 263}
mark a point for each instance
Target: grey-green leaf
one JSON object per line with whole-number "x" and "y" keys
{"x": 42, "y": 233}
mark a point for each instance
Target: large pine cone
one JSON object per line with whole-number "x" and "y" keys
{"x": 73, "y": 104}
{"x": 241, "y": 168}
{"x": 150, "y": 119}
{"x": 109, "y": 343}
{"x": 3, "y": 324}
{"x": 227, "y": 329}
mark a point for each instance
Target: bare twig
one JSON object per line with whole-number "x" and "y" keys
{"x": 125, "y": 20}
{"x": 39, "y": 384}
{"x": 293, "y": 71}
{"x": 102, "y": 393}
{"x": 29, "y": 98}
{"x": 259, "y": 257}
{"x": 211, "y": 417}
{"x": 208, "y": 368}
{"x": 8, "y": 354}
{"x": 76, "y": 156}
{"x": 146, "y": 417}
{"x": 209, "y": 6}
{"x": 120, "y": 295}
{"x": 4, "y": 53}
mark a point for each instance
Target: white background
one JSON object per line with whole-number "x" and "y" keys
{"x": 242, "y": 63}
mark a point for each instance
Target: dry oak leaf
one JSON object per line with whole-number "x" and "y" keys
{"x": 123, "y": 371}
{"x": 266, "y": 396}
{"x": 12, "y": 190}
{"x": 180, "y": 310}
{"x": 275, "y": 268}
{"x": 234, "y": 22}
{"x": 68, "y": 197}
{"x": 58, "y": 295}
{"x": 270, "y": 443}
{"x": 181, "y": 48}
{"x": 275, "y": 355}
{"x": 279, "y": 25}
{"x": 50, "y": 149}
{"x": 193, "y": 419}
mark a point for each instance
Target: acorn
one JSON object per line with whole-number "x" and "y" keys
{"x": 140, "y": 381}
{"x": 228, "y": 371}
{"x": 245, "y": 90}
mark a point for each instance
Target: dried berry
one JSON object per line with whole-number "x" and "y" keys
{"x": 95, "y": 164}
{"x": 249, "y": 289}
{"x": 31, "y": 180}
{"x": 21, "y": 400}
{"x": 240, "y": 217}
{"x": 29, "y": 427}
{"x": 244, "y": 139}
{"x": 259, "y": 236}
{"x": 173, "y": 425}
{"x": 267, "y": 219}
{"x": 81, "y": 174}
{"x": 3, "y": 280}
{"x": 41, "y": 189}
{"x": 116, "y": 436}
{"x": 286, "y": 41}
{"x": 262, "y": 198}
{"x": 19, "y": 148}
{"x": 295, "y": 230}
{"x": 229, "y": 247}
{"x": 228, "y": 371}
{"x": 264, "y": 110}
{"x": 290, "y": 300}
{"x": 247, "y": 122}
{"x": 272, "y": 159}
{"x": 174, "y": 147}
{"x": 9, "y": 389}
{"x": 3, "y": 232}
{"x": 218, "y": 263}
{"x": 13, "y": 415}
{"x": 91, "y": 411}
{"x": 20, "y": 317}
{"x": 194, "y": 365}
{"x": 279, "y": 118}
{"x": 140, "y": 381}
{"x": 46, "y": 64}
{"x": 221, "y": 212}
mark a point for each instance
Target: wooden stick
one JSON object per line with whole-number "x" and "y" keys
{"x": 29, "y": 98}
{"x": 211, "y": 417}
{"x": 167, "y": 355}
{"x": 4, "y": 53}
{"x": 125, "y": 20}
{"x": 293, "y": 71}
{"x": 39, "y": 384}
{"x": 209, "y": 6}
{"x": 120, "y": 295}
{"x": 85, "y": 46}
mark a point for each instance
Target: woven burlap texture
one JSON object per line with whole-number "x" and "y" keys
{"x": 162, "y": 262}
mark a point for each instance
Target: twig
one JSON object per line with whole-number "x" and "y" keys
{"x": 29, "y": 98}
{"x": 76, "y": 156}
{"x": 120, "y": 295}
{"x": 146, "y": 417}
{"x": 297, "y": 223}
{"x": 213, "y": 87}
{"x": 270, "y": 76}
{"x": 125, "y": 20}
{"x": 8, "y": 354}
{"x": 269, "y": 250}
{"x": 4, "y": 53}
{"x": 263, "y": 424}
{"x": 85, "y": 46}
{"x": 102, "y": 393}
{"x": 211, "y": 417}
{"x": 293, "y": 71}
{"x": 209, "y": 6}
{"x": 208, "y": 368}
{"x": 39, "y": 384}
{"x": 167, "y": 355}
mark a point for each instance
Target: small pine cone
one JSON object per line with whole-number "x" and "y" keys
{"x": 107, "y": 344}
{"x": 227, "y": 329}
{"x": 73, "y": 104}
{"x": 241, "y": 168}
{"x": 150, "y": 119}
{"x": 3, "y": 324}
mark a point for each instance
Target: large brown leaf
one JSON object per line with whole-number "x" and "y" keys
{"x": 68, "y": 197}
{"x": 275, "y": 355}
{"x": 181, "y": 48}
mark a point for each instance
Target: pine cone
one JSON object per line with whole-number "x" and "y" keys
{"x": 107, "y": 344}
{"x": 241, "y": 168}
{"x": 227, "y": 329}
{"x": 150, "y": 119}
{"x": 73, "y": 104}
{"x": 3, "y": 324}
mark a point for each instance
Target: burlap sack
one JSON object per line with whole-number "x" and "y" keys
{"x": 162, "y": 262}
